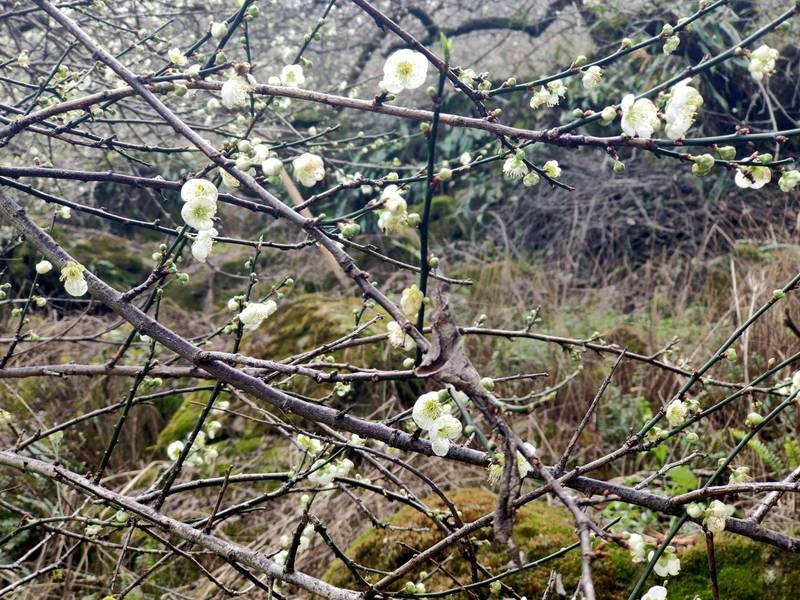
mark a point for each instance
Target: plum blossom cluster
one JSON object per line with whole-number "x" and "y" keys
{"x": 524, "y": 466}
{"x": 200, "y": 452}
{"x": 394, "y": 216}
{"x": 431, "y": 413}
{"x": 199, "y": 209}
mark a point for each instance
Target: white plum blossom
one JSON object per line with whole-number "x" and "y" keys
{"x": 637, "y": 547}
{"x": 228, "y": 179}
{"x": 394, "y": 217}
{"x": 789, "y": 180}
{"x": 235, "y": 92}
{"x": 762, "y": 62}
{"x": 667, "y": 564}
{"x": 551, "y": 169}
{"x": 681, "y": 110}
{"x": 203, "y": 242}
{"x": 591, "y": 77}
{"x": 445, "y": 429}
{"x": 43, "y": 267}
{"x": 411, "y": 301}
{"x": 176, "y": 57}
{"x": 671, "y": 44}
{"x": 524, "y": 466}
{"x": 398, "y": 338}
{"x": 716, "y": 515}
{"x": 24, "y": 60}
{"x": 549, "y": 95}
{"x": 514, "y": 166}
{"x": 427, "y": 409}
{"x": 292, "y": 76}
{"x": 404, "y": 70}
{"x": 174, "y": 449}
{"x": 639, "y": 117}
{"x": 657, "y": 592}
{"x": 676, "y": 412}
{"x": 254, "y": 313}
{"x": 322, "y": 473}
{"x": 199, "y": 189}
{"x": 308, "y": 169}
{"x": 199, "y": 213}
{"x": 753, "y": 177}
{"x": 272, "y": 166}
{"x": 73, "y": 279}
{"x": 311, "y": 445}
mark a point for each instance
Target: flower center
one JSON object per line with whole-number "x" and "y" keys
{"x": 405, "y": 69}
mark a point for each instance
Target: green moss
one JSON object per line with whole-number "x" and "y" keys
{"x": 182, "y": 422}
{"x": 540, "y": 530}
{"x": 746, "y": 570}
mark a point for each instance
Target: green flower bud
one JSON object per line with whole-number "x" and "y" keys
{"x": 408, "y": 363}
{"x": 667, "y": 30}
{"x": 410, "y": 587}
{"x": 778, "y": 294}
{"x": 703, "y": 164}
{"x": 619, "y": 167}
{"x": 764, "y": 158}
{"x": 487, "y": 383}
{"x": 414, "y": 219}
{"x": 753, "y": 419}
{"x": 180, "y": 89}
{"x": 730, "y": 355}
{"x": 727, "y": 152}
{"x": 511, "y": 82}
{"x": 434, "y": 262}
{"x": 445, "y": 174}
{"x": 577, "y": 113}
{"x": 626, "y": 42}
{"x": 580, "y": 61}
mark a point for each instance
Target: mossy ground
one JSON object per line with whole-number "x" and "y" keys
{"x": 746, "y": 570}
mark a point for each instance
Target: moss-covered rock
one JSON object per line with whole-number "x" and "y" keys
{"x": 746, "y": 570}
{"x": 540, "y": 530}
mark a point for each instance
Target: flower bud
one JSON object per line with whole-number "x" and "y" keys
{"x": 531, "y": 179}
{"x": 580, "y": 60}
{"x": 218, "y": 30}
{"x": 626, "y": 42}
{"x": 619, "y": 167}
{"x": 667, "y": 30}
{"x": 408, "y": 363}
{"x": 703, "y": 164}
{"x": 726, "y": 152}
{"x": 445, "y": 174}
{"x": 487, "y": 383}
{"x": 608, "y": 114}
{"x": 43, "y": 267}
{"x": 413, "y": 219}
{"x": 753, "y": 419}
{"x": 434, "y": 262}
{"x": 778, "y": 294}
{"x": 765, "y": 158}
{"x": 695, "y": 510}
